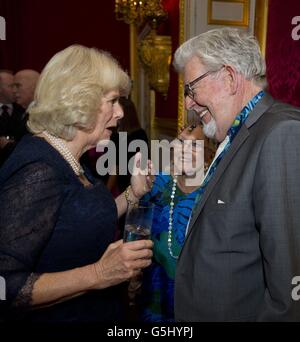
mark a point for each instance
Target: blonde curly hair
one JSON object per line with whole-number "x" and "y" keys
{"x": 70, "y": 90}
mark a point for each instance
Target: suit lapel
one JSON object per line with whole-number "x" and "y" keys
{"x": 261, "y": 107}
{"x": 237, "y": 142}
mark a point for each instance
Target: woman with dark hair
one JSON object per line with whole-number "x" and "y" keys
{"x": 173, "y": 194}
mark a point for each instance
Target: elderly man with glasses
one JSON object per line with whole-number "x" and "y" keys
{"x": 241, "y": 254}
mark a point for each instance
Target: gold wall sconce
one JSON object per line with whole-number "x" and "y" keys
{"x": 155, "y": 54}
{"x": 138, "y": 11}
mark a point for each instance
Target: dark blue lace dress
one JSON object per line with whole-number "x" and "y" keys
{"x": 50, "y": 222}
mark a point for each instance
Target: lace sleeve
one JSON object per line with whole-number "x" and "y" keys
{"x": 30, "y": 200}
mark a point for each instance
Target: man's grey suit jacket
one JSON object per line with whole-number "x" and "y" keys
{"x": 242, "y": 248}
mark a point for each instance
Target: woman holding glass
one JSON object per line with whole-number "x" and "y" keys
{"x": 57, "y": 225}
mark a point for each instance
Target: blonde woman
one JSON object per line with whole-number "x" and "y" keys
{"x": 57, "y": 226}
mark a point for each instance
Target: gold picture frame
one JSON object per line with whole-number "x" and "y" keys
{"x": 244, "y": 21}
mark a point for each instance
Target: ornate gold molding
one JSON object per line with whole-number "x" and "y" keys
{"x": 138, "y": 12}
{"x": 134, "y": 64}
{"x": 261, "y": 23}
{"x": 155, "y": 54}
{"x": 181, "y": 110}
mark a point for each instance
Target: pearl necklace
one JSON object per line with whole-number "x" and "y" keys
{"x": 170, "y": 228}
{"x": 61, "y": 147}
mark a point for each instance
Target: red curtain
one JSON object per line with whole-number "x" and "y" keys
{"x": 282, "y": 52}
{"x": 37, "y": 29}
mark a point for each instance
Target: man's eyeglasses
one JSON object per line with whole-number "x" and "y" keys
{"x": 188, "y": 88}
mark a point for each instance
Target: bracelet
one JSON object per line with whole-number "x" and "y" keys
{"x": 126, "y": 192}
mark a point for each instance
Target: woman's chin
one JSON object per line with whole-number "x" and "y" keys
{"x": 105, "y": 137}
{"x": 103, "y": 142}
{"x": 107, "y": 133}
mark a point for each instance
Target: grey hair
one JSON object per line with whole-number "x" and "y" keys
{"x": 225, "y": 46}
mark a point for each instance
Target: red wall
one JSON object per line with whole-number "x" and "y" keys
{"x": 9, "y": 48}
{"x": 168, "y": 107}
{"x": 37, "y": 29}
{"x": 283, "y": 53}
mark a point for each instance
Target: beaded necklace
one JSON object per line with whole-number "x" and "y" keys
{"x": 61, "y": 147}
{"x": 170, "y": 228}
{"x": 172, "y": 204}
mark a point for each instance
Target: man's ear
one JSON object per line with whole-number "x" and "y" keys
{"x": 231, "y": 79}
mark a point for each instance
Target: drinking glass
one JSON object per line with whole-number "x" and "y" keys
{"x": 138, "y": 221}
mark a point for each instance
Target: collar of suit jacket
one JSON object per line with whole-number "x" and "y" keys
{"x": 261, "y": 107}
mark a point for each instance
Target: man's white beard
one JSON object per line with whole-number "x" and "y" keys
{"x": 210, "y": 129}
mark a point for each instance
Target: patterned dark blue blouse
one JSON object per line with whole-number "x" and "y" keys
{"x": 157, "y": 297}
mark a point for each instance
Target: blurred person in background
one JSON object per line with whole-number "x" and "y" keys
{"x": 12, "y": 117}
{"x": 25, "y": 82}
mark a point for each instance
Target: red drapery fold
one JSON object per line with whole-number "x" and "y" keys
{"x": 282, "y": 52}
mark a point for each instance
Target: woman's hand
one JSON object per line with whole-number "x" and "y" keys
{"x": 141, "y": 180}
{"x": 122, "y": 261}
